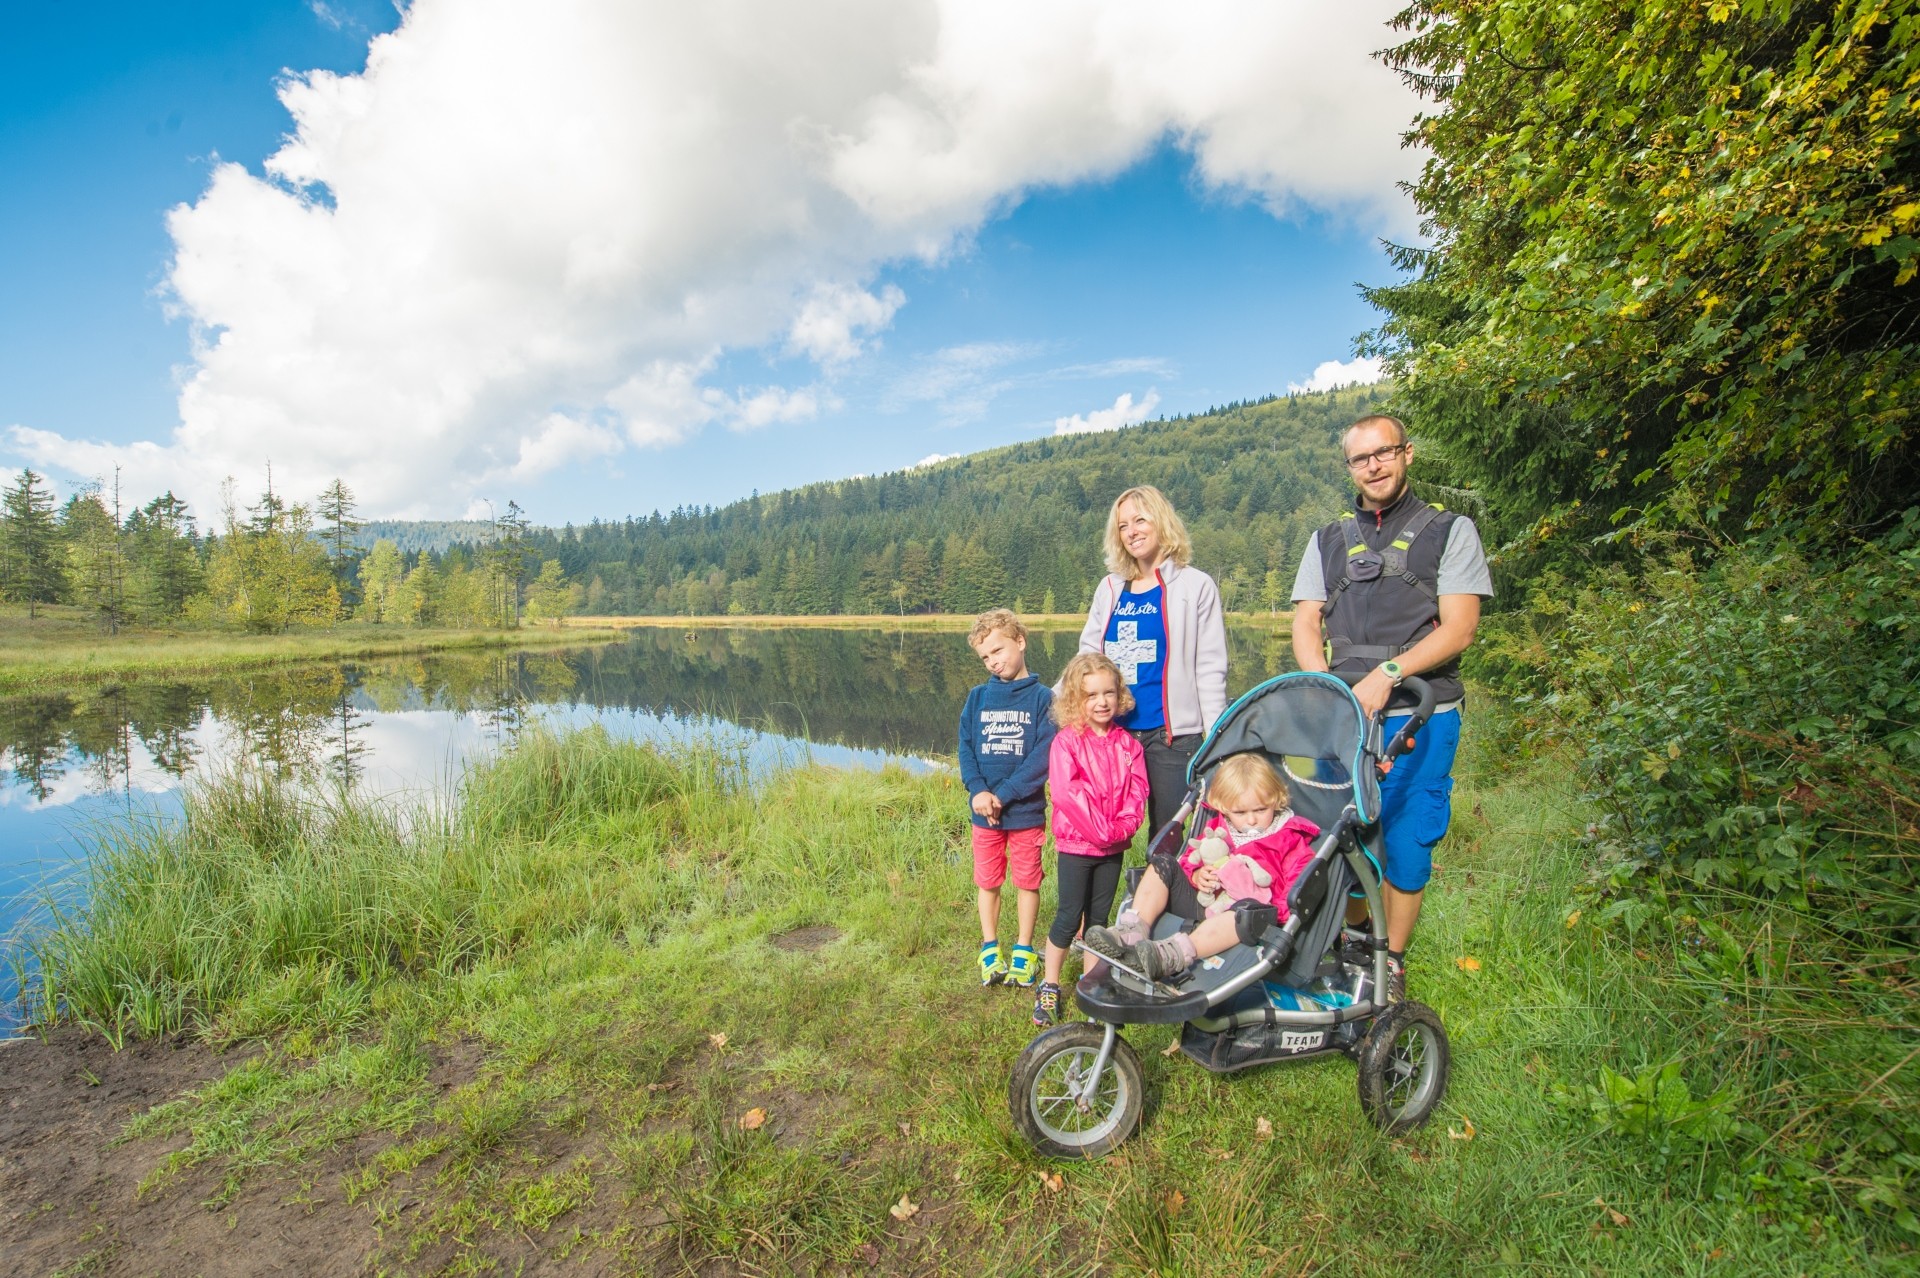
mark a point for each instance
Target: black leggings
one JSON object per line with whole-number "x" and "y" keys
{"x": 1166, "y": 773}
{"x": 1086, "y": 886}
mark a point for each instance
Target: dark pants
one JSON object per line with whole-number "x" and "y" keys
{"x": 1086, "y": 885}
{"x": 1166, "y": 773}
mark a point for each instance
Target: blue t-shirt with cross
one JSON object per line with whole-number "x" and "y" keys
{"x": 1136, "y": 641}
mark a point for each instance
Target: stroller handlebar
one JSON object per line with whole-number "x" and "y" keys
{"x": 1422, "y": 711}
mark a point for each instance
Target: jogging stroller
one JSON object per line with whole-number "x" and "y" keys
{"x": 1287, "y": 991}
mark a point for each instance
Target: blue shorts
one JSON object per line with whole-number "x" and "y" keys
{"x": 1416, "y": 800}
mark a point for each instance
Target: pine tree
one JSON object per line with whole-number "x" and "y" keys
{"x": 163, "y": 560}
{"x": 30, "y": 568}
{"x": 95, "y": 558}
{"x": 336, "y": 507}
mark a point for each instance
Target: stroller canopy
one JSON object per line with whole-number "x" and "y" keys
{"x": 1312, "y": 729}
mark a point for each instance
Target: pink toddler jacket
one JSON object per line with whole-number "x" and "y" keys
{"x": 1283, "y": 854}
{"x": 1099, "y": 789}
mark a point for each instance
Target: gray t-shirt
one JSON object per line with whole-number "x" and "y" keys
{"x": 1463, "y": 566}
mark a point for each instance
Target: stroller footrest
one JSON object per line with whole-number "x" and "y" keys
{"x": 1104, "y": 1000}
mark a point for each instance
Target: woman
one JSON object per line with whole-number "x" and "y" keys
{"x": 1159, "y": 620}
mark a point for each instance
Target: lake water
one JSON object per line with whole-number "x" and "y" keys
{"x": 72, "y": 761}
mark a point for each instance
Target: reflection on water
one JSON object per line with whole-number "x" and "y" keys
{"x": 71, "y": 759}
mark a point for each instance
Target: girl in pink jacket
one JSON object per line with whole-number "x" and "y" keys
{"x": 1098, "y": 779}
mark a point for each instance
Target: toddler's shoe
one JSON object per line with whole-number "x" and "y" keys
{"x": 1161, "y": 959}
{"x": 1109, "y": 945}
{"x": 1046, "y": 1005}
{"x": 1025, "y": 964}
{"x": 993, "y": 967}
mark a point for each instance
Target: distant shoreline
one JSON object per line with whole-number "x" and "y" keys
{"x": 53, "y": 652}
{"x": 941, "y": 621}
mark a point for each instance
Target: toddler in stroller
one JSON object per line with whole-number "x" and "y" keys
{"x": 1258, "y": 825}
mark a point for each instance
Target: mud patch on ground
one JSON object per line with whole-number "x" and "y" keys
{"x": 70, "y": 1190}
{"x": 804, "y": 940}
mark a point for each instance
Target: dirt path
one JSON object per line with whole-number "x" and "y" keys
{"x": 68, "y": 1193}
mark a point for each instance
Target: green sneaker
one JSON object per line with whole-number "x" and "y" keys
{"x": 1025, "y": 964}
{"x": 993, "y": 968}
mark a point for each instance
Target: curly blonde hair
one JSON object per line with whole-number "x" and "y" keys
{"x": 1001, "y": 619}
{"x": 1070, "y": 703}
{"x": 1175, "y": 544}
{"x": 1247, "y": 776}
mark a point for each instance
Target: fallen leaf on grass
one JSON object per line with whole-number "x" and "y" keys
{"x": 1052, "y": 1180}
{"x": 1175, "y": 1201}
{"x": 1466, "y": 1135}
{"x": 906, "y": 1129}
{"x": 1173, "y": 1048}
{"x": 1222, "y": 1154}
{"x": 1467, "y": 963}
{"x": 661, "y": 1087}
{"x": 1619, "y": 1219}
{"x": 905, "y": 1209}
{"x": 719, "y": 1042}
{"x": 753, "y": 1119}
{"x": 1573, "y": 920}
{"x": 1262, "y": 1129}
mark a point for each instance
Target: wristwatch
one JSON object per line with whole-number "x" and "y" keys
{"x": 1393, "y": 671}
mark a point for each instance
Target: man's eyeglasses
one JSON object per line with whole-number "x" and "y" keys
{"x": 1381, "y": 455}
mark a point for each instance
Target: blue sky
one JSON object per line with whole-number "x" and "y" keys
{"x": 991, "y": 282}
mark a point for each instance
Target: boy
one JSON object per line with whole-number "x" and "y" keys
{"x": 1005, "y": 733}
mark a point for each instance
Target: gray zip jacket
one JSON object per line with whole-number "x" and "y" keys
{"x": 1196, "y": 661}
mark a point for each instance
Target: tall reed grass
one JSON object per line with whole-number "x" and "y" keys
{"x": 264, "y": 888}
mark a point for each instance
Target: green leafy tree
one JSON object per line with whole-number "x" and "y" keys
{"x": 551, "y": 596}
{"x": 380, "y": 575}
{"x": 267, "y": 572}
{"x": 417, "y": 597}
{"x": 30, "y": 558}
{"x": 1673, "y": 258}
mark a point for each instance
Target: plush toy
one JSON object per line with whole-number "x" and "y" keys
{"x": 1243, "y": 879}
{"x": 1240, "y": 876}
{"x": 1211, "y": 850}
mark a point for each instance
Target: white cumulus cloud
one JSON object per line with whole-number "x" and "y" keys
{"x": 524, "y": 237}
{"x": 1125, "y": 412}
{"x": 1332, "y": 373}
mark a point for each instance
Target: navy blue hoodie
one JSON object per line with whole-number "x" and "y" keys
{"x": 1005, "y": 732}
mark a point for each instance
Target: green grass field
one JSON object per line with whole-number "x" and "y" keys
{"x": 62, "y": 646}
{"x": 671, "y": 1075}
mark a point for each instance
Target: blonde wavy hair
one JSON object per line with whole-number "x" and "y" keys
{"x": 1175, "y": 544}
{"x": 1070, "y": 703}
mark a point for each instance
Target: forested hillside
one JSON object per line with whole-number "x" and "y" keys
{"x": 1019, "y": 525}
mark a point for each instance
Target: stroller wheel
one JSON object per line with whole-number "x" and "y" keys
{"x": 1050, "y": 1105}
{"x": 1404, "y": 1062}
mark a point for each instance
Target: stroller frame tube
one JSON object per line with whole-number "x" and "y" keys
{"x": 1091, "y": 1088}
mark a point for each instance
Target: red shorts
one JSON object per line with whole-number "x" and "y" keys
{"x": 993, "y": 848}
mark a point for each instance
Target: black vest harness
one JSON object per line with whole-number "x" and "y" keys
{"x": 1381, "y": 602}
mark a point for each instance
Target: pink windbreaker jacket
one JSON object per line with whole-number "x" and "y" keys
{"x": 1283, "y": 854}
{"x": 1099, "y": 788}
